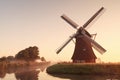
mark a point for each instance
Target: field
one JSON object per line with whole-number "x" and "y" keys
{"x": 85, "y": 68}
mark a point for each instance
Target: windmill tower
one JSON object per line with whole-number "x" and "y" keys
{"x": 83, "y": 51}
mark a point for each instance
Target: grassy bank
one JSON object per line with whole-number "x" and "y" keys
{"x": 80, "y": 68}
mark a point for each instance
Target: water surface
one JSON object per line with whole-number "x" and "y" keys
{"x": 39, "y": 73}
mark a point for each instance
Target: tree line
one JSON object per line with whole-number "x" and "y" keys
{"x": 28, "y": 54}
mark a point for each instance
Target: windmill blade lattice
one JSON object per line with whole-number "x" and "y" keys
{"x": 95, "y": 45}
{"x": 93, "y": 17}
{"x": 68, "y": 20}
{"x": 71, "y": 37}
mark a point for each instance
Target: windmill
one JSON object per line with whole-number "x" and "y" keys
{"x": 83, "y": 51}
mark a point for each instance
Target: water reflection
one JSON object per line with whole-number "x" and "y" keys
{"x": 88, "y": 77}
{"x": 23, "y": 73}
{"x": 29, "y": 75}
{"x": 36, "y": 73}
{"x": 2, "y": 73}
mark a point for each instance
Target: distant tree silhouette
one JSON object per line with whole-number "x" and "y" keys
{"x": 3, "y": 58}
{"x": 43, "y": 59}
{"x": 27, "y": 54}
{"x": 10, "y": 58}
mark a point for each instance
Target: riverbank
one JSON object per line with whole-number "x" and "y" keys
{"x": 85, "y": 68}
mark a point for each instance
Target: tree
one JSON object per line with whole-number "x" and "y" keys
{"x": 31, "y": 53}
{"x": 3, "y": 58}
{"x": 43, "y": 59}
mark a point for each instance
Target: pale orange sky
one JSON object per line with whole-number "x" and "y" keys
{"x": 27, "y": 23}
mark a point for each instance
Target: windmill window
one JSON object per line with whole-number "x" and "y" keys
{"x": 84, "y": 49}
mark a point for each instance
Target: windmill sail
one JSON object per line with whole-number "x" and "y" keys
{"x": 95, "y": 45}
{"x": 68, "y": 20}
{"x": 93, "y": 17}
{"x": 99, "y": 49}
{"x": 71, "y": 37}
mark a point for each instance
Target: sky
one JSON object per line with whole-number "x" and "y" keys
{"x": 25, "y": 23}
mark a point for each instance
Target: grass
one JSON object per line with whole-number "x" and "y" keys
{"x": 80, "y": 68}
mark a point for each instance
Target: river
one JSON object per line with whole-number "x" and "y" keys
{"x": 39, "y": 73}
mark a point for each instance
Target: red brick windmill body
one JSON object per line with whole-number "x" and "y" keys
{"x": 83, "y": 51}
